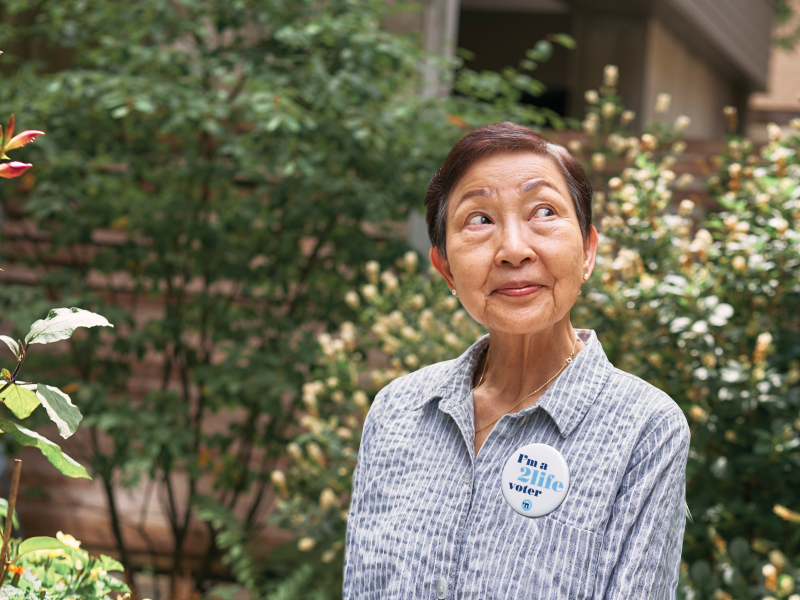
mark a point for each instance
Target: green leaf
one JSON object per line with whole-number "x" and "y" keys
{"x": 60, "y": 409}
{"x": 11, "y": 343}
{"x": 109, "y": 564}
{"x": 40, "y": 543}
{"x": 563, "y": 39}
{"x": 66, "y": 465}
{"x": 21, "y": 399}
{"x": 541, "y": 52}
{"x": 4, "y": 512}
{"x": 61, "y": 322}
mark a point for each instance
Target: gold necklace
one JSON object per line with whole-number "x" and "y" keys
{"x": 569, "y": 360}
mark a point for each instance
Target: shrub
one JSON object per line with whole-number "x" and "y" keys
{"x": 700, "y": 301}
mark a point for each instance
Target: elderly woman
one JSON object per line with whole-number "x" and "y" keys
{"x": 529, "y": 467}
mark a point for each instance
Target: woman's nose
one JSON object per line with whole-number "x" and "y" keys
{"x": 515, "y": 245}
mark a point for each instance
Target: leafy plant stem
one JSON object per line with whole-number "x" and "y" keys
{"x": 21, "y": 360}
{"x": 12, "y": 503}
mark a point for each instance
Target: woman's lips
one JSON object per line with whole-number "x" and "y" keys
{"x": 519, "y": 289}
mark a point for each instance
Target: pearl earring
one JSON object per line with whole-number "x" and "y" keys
{"x": 454, "y": 292}
{"x": 585, "y": 276}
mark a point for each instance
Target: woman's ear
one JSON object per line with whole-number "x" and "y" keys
{"x": 589, "y": 252}
{"x": 440, "y": 263}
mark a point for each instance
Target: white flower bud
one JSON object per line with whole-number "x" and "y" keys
{"x": 352, "y": 299}
{"x": 685, "y": 180}
{"x": 780, "y": 225}
{"x": 608, "y": 109}
{"x": 679, "y": 147}
{"x": 306, "y": 544}
{"x": 294, "y": 451}
{"x": 627, "y": 116}
{"x": 452, "y": 339}
{"x": 599, "y": 162}
{"x": 410, "y": 261}
{"x": 328, "y": 556}
{"x": 774, "y": 132}
{"x": 279, "y": 481}
{"x": 389, "y": 280}
{"x": 682, "y": 122}
{"x": 315, "y": 453}
{"x": 591, "y": 96}
{"x": 373, "y": 269}
{"x": 686, "y": 207}
{"x": 610, "y": 75}
{"x": 663, "y": 102}
{"x": 360, "y": 399}
{"x": 426, "y": 320}
{"x": 328, "y": 499}
{"x": 370, "y": 292}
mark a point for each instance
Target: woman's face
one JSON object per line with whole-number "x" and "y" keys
{"x": 515, "y": 252}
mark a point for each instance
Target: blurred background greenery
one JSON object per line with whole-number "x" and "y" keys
{"x": 234, "y": 185}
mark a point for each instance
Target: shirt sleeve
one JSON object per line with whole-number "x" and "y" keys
{"x": 643, "y": 540}
{"x": 355, "y": 512}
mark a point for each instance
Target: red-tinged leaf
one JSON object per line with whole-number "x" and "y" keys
{"x": 23, "y": 138}
{"x": 9, "y": 130}
{"x": 13, "y": 169}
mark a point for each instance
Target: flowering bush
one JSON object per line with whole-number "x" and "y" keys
{"x": 59, "y": 573}
{"x": 406, "y": 322}
{"x": 699, "y": 302}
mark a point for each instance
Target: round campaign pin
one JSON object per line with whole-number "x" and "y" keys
{"x": 535, "y": 480}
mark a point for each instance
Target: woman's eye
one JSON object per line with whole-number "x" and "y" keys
{"x": 543, "y": 212}
{"x": 480, "y": 220}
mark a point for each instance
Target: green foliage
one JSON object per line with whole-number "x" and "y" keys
{"x": 61, "y": 323}
{"x": 22, "y": 398}
{"x": 56, "y": 569}
{"x": 411, "y": 319}
{"x": 217, "y": 170}
{"x": 788, "y": 33}
{"x": 4, "y": 513}
{"x": 52, "y": 452}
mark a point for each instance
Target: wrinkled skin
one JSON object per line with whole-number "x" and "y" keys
{"x": 517, "y": 258}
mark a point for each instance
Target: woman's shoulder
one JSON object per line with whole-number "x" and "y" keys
{"x": 644, "y": 402}
{"x": 409, "y": 390}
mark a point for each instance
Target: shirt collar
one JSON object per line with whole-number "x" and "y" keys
{"x": 566, "y": 401}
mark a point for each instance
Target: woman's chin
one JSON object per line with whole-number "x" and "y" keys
{"x": 520, "y": 322}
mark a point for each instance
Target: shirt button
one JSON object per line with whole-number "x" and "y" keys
{"x": 468, "y": 477}
{"x": 441, "y": 588}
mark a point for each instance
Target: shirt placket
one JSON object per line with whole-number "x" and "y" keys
{"x": 463, "y": 485}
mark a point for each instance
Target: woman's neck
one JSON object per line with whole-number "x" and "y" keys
{"x": 518, "y": 364}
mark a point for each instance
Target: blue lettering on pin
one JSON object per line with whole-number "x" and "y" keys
{"x": 538, "y": 480}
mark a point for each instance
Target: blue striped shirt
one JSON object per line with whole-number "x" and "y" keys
{"x": 428, "y": 518}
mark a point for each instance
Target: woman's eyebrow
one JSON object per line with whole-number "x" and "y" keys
{"x": 483, "y": 192}
{"x": 539, "y": 181}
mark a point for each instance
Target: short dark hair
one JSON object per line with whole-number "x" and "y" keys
{"x": 490, "y": 139}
